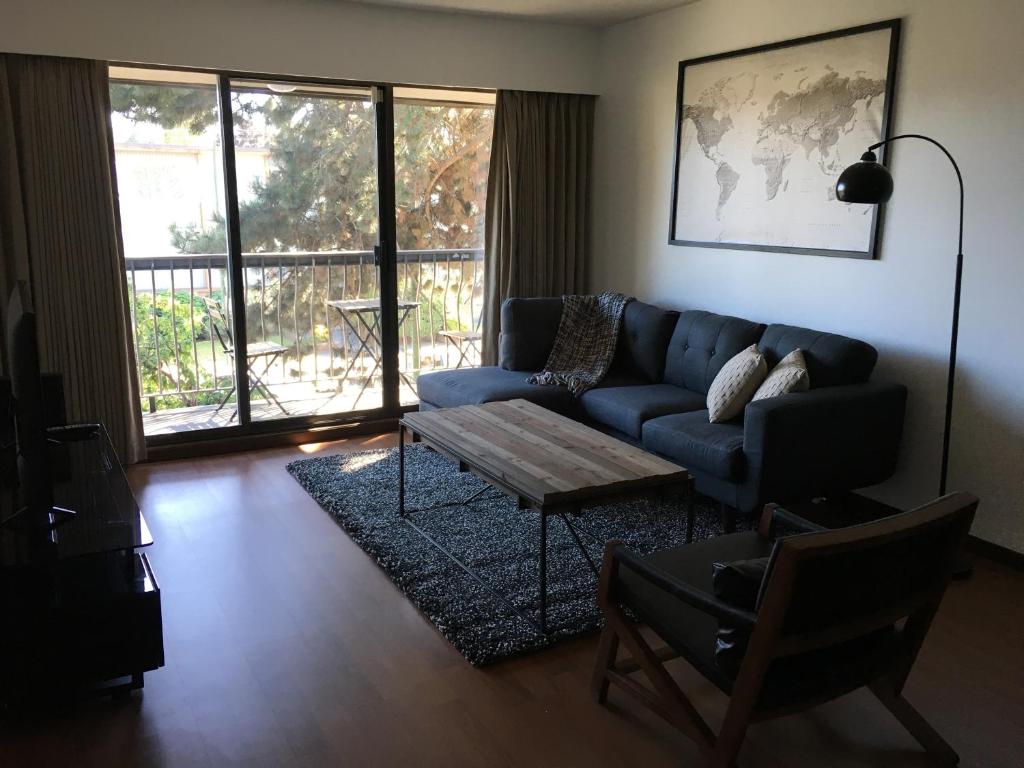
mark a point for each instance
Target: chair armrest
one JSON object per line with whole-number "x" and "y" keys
{"x": 773, "y": 515}
{"x": 817, "y": 442}
{"x": 528, "y": 328}
{"x": 687, "y": 593}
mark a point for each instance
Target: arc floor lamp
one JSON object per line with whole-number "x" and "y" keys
{"x": 870, "y": 182}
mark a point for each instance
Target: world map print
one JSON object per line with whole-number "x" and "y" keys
{"x": 764, "y": 136}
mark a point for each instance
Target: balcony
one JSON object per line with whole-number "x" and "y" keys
{"x": 326, "y": 362}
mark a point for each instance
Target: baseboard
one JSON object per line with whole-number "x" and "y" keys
{"x": 995, "y": 552}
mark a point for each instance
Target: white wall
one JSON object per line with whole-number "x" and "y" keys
{"x": 325, "y": 38}
{"x": 961, "y": 69}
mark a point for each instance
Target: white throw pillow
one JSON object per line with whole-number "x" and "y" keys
{"x": 735, "y": 384}
{"x": 790, "y": 375}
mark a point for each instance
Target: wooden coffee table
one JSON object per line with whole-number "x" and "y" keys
{"x": 547, "y": 462}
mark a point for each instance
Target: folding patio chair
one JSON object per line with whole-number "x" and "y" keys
{"x": 267, "y": 351}
{"x": 783, "y": 625}
{"x": 465, "y": 342}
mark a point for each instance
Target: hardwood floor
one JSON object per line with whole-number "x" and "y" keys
{"x": 287, "y": 646}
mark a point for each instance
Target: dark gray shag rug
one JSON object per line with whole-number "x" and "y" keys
{"x": 492, "y": 536}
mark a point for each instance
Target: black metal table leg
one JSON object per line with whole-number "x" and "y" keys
{"x": 401, "y": 469}
{"x": 691, "y": 510}
{"x": 543, "y": 572}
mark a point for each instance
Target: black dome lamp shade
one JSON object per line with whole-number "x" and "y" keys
{"x": 865, "y": 182}
{"x": 868, "y": 181}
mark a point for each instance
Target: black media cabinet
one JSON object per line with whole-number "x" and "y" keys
{"x": 80, "y": 615}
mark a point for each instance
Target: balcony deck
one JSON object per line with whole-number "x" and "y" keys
{"x": 298, "y": 401}
{"x": 296, "y": 302}
{"x": 199, "y": 417}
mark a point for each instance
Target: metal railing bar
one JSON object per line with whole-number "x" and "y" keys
{"x": 192, "y": 320}
{"x": 312, "y": 328}
{"x": 156, "y": 331}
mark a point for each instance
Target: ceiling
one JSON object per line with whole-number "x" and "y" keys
{"x": 593, "y": 12}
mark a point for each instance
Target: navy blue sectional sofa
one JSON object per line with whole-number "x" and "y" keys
{"x": 843, "y": 433}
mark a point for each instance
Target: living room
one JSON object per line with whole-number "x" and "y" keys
{"x": 537, "y": 311}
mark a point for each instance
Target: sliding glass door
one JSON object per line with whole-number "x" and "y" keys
{"x": 307, "y": 177}
{"x": 265, "y": 292}
{"x": 170, "y": 178}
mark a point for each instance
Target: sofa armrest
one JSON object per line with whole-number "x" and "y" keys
{"x": 528, "y": 328}
{"x": 829, "y": 439}
{"x": 773, "y": 516}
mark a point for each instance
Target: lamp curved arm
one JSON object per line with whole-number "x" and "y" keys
{"x": 959, "y": 176}
{"x": 951, "y": 374}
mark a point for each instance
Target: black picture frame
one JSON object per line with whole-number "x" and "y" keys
{"x": 878, "y": 213}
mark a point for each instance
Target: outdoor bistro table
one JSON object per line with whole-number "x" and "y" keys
{"x": 362, "y": 318}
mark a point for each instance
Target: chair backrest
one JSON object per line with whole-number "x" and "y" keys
{"x": 849, "y": 587}
{"x": 219, "y": 323}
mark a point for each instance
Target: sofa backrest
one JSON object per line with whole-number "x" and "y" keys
{"x": 528, "y": 328}
{"x": 831, "y": 359}
{"x": 702, "y": 343}
{"x": 643, "y": 341}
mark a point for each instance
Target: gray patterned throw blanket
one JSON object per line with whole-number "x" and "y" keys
{"x": 585, "y": 342}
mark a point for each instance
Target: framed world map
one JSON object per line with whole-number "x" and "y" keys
{"x": 763, "y": 133}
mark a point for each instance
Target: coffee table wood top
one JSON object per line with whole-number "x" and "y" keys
{"x": 540, "y": 455}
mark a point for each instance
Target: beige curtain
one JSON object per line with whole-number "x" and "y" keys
{"x": 538, "y": 201}
{"x": 59, "y": 214}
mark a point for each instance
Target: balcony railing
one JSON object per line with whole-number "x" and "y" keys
{"x": 183, "y": 364}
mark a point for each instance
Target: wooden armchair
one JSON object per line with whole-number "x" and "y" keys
{"x": 835, "y": 610}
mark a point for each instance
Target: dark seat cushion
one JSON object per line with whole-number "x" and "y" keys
{"x": 737, "y": 582}
{"x": 473, "y": 386}
{"x": 627, "y": 408}
{"x": 697, "y": 444}
{"x": 832, "y": 360}
{"x": 689, "y": 631}
{"x": 702, "y": 343}
{"x": 693, "y": 634}
{"x": 643, "y": 341}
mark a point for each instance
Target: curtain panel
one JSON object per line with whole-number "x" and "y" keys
{"x": 538, "y": 201}
{"x": 60, "y": 230}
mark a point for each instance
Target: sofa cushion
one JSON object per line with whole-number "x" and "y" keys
{"x": 643, "y": 341}
{"x": 627, "y": 408}
{"x": 697, "y": 444}
{"x": 735, "y": 384}
{"x": 702, "y": 343}
{"x": 473, "y": 386}
{"x": 528, "y": 328}
{"x": 790, "y": 375}
{"x": 832, "y": 360}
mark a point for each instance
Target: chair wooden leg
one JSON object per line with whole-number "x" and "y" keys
{"x": 917, "y": 726}
{"x": 727, "y": 745}
{"x": 667, "y": 699}
{"x": 607, "y": 650}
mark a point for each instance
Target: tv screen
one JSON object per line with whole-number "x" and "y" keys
{"x": 34, "y": 489}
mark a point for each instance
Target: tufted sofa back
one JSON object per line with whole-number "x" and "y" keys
{"x": 832, "y": 360}
{"x": 528, "y": 328}
{"x": 702, "y": 343}
{"x": 640, "y": 351}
